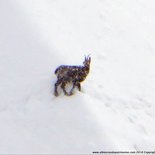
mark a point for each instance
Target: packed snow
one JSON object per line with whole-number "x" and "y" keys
{"x": 115, "y": 109}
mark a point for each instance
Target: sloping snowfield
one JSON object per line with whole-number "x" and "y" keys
{"x": 115, "y": 110}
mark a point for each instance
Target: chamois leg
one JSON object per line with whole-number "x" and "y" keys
{"x": 63, "y": 88}
{"x": 74, "y": 85}
{"x": 56, "y": 87}
{"x": 79, "y": 86}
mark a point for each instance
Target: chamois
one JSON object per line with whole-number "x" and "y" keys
{"x": 71, "y": 74}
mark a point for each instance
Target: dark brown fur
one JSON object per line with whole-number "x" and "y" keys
{"x": 71, "y": 74}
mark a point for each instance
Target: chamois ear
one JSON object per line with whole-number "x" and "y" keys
{"x": 85, "y": 58}
{"x": 89, "y": 59}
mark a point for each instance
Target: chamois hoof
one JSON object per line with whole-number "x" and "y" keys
{"x": 71, "y": 93}
{"x": 56, "y": 94}
{"x": 67, "y": 94}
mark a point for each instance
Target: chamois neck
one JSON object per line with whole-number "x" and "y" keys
{"x": 86, "y": 69}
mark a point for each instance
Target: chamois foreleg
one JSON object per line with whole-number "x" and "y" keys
{"x": 75, "y": 83}
{"x": 78, "y": 85}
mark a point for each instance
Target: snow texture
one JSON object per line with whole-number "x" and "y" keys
{"x": 114, "y": 111}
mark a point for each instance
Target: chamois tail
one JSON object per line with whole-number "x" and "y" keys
{"x": 56, "y": 71}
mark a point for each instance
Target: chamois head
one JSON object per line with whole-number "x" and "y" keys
{"x": 87, "y": 61}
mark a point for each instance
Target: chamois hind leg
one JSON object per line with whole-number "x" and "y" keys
{"x": 56, "y": 87}
{"x": 64, "y": 89}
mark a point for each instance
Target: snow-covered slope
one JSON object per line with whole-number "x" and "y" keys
{"x": 114, "y": 111}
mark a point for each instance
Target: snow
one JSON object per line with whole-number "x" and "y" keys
{"x": 114, "y": 111}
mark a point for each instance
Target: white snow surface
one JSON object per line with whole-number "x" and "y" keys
{"x": 115, "y": 111}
